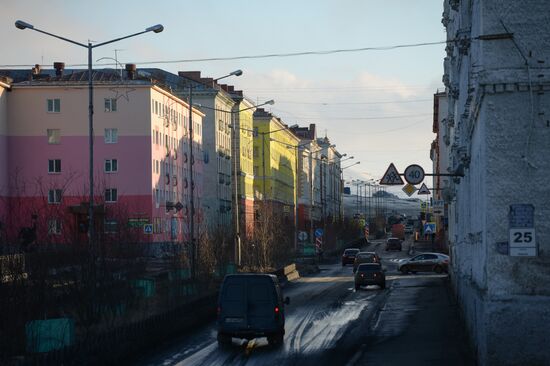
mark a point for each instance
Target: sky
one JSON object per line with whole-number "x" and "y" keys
{"x": 375, "y": 105}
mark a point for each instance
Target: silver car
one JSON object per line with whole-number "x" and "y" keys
{"x": 425, "y": 262}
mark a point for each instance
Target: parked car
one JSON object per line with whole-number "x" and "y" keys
{"x": 365, "y": 257}
{"x": 251, "y": 306}
{"x": 370, "y": 274}
{"x": 425, "y": 262}
{"x": 348, "y": 257}
{"x": 393, "y": 244}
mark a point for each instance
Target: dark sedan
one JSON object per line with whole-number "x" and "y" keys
{"x": 425, "y": 262}
{"x": 370, "y": 274}
{"x": 348, "y": 257}
{"x": 393, "y": 244}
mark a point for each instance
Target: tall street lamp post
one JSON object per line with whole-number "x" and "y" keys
{"x": 236, "y": 171}
{"x": 193, "y": 255}
{"x": 157, "y": 29}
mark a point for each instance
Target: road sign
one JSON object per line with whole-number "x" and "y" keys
{"x": 409, "y": 189}
{"x": 302, "y": 236}
{"x": 429, "y": 228}
{"x": 414, "y": 174}
{"x": 148, "y": 229}
{"x": 438, "y": 207}
{"x": 318, "y": 232}
{"x": 318, "y": 243}
{"x": 391, "y": 177}
{"x": 522, "y": 240}
{"x": 424, "y": 189}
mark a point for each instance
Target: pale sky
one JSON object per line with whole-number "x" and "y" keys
{"x": 375, "y": 105}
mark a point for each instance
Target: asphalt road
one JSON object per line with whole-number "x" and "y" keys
{"x": 329, "y": 323}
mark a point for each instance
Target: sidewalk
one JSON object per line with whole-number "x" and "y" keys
{"x": 418, "y": 325}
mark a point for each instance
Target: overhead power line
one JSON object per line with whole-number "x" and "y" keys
{"x": 355, "y": 103}
{"x": 270, "y": 55}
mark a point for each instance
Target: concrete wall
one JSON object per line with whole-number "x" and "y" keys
{"x": 500, "y": 138}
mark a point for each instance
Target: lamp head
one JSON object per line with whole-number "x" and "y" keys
{"x": 237, "y": 73}
{"x": 344, "y": 154}
{"x": 23, "y": 25}
{"x": 155, "y": 28}
{"x": 270, "y": 102}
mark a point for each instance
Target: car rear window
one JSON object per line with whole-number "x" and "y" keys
{"x": 394, "y": 241}
{"x": 369, "y": 267}
{"x": 351, "y": 251}
{"x": 365, "y": 255}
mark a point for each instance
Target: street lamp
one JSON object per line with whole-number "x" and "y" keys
{"x": 156, "y": 29}
{"x": 191, "y": 162}
{"x": 236, "y": 171}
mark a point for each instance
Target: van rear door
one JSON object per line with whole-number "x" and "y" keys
{"x": 233, "y": 299}
{"x": 262, "y": 301}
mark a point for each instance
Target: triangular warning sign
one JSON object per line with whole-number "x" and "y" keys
{"x": 423, "y": 189}
{"x": 392, "y": 177}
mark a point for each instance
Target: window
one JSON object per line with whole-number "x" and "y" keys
{"x": 54, "y": 136}
{"x": 110, "y": 226}
{"x": 54, "y": 196}
{"x": 111, "y": 165}
{"x": 54, "y": 166}
{"x": 110, "y": 104}
{"x": 111, "y": 195}
{"x": 54, "y": 105}
{"x": 111, "y": 135}
{"x": 54, "y": 227}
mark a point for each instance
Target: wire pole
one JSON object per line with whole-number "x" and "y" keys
{"x": 191, "y": 186}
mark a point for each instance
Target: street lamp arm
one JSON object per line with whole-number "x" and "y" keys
{"x": 270, "y": 102}
{"x": 280, "y": 129}
{"x": 157, "y": 29}
{"x": 51, "y": 34}
{"x": 349, "y": 166}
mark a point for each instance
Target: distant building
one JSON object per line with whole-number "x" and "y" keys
{"x": 141, "y": 157}
{"x": 497, "y": 79}
{"x": 275, "y": 164}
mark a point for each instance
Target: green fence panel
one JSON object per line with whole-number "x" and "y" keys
{"x": 48, "y": 335}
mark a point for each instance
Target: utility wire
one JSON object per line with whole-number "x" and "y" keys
{"x": 271, "y": 55}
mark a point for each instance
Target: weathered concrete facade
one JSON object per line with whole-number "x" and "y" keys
{"x": 498, "y": 83}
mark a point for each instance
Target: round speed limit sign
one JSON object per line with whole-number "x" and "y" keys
{"x": 414, "y": 174}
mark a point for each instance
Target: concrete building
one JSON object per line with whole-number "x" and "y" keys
{"x": 307, "y": 147}
{"x": 275, "y": 164}
{"x": 243, "y": 159}
{"x": 497, "y": 78}
{"x": 140, "y": 157}
{"x": 217, "y": 106}
{"x": 439, "y": 154}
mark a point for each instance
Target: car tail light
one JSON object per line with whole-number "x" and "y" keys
{"x": 376, "y": 274}
{"x": 362, "y": 275}
{"x": 446, "y": 261}
{"x": 276, "y": 310}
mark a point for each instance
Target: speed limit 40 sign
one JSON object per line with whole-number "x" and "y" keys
{"x": 414, "y": 174}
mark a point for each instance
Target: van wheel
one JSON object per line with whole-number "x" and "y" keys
{"x": 224, "y": 340}
{"x": 276, "y": 339}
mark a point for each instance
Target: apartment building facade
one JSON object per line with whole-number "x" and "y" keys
{"x": 497, "y": 80}
{"x": 275, "y": 164}
{"x": 140, "y": 158}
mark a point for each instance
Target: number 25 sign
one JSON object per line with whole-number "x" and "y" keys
{"x": 522, "y": 238}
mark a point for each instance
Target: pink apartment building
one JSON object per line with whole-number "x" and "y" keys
{"x": 141, "y": 158}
